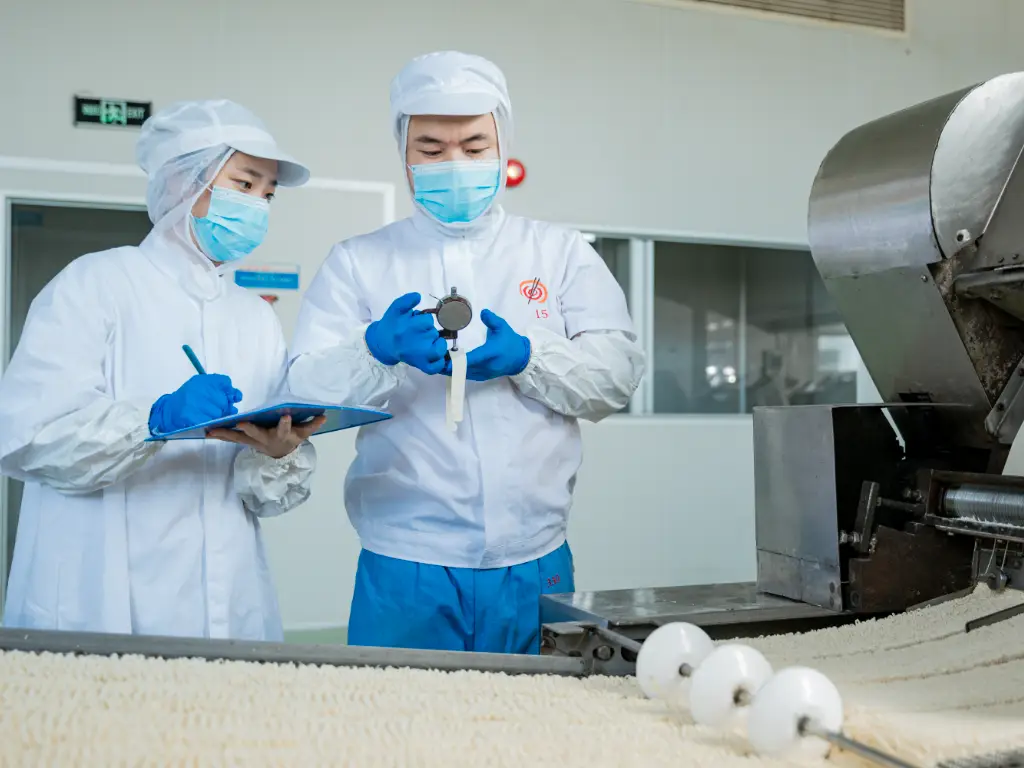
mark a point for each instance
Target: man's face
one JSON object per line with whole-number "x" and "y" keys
{"x": 243, "y": 173}
{"x": 437, "y": 139}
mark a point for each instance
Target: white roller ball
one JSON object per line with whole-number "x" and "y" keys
{"x": 792, "y": 694}
{"x": 662, "y": 654}
{"x": 725, "y": 672}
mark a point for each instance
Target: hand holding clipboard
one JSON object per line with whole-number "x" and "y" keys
{"x": 313, "y": 417}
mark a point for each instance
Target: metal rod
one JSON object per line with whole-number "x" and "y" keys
{"x": 900, "y": 506}
{"x": 1002, "y": 759}
{"x": 96, "y": 644}
{"x": 994, "y": 618}
{"x": 994, "y": 531}
{"x": 808, "y": 727}
{"x": 621, "y": 640}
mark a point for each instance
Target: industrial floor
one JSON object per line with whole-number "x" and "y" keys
{"x": 914, "y": 684}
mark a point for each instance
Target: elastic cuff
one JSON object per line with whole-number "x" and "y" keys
{"x": 284, "y": 461}
{"x": 141, "y": 434}
{"x": 530, "y": 362}
{"x": 529, "y": 354}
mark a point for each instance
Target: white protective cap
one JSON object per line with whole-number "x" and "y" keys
{"x": 450, "y": 83}
{"x": 191, "y": 126}
{"x": 183, "y": 147}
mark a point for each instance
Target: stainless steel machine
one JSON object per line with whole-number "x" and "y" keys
{"x": 916, "y": 224}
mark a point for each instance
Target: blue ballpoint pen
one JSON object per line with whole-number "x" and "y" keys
{"x": 194, "y": 360}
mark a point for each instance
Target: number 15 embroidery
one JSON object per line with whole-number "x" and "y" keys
{"x": 535, "y": 292}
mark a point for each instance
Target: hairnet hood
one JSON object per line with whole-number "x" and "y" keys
{"x": 188, "y": 127}
{"x": 182, "y": 148}
{"x": 449, "y": 83}
{"x": 454, "y": 84}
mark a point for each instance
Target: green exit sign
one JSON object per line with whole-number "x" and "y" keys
{"x": 111, "y": 112}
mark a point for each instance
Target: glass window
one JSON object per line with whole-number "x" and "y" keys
{"x": 696, "y": 328}
{"x": 615, "y": 253}
{"x": 736, "y": 328}
{"x": 797, "y": 349}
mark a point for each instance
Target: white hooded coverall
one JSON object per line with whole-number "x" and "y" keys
{"x": 496, "y": 493}
{"x": 117, "y": 534}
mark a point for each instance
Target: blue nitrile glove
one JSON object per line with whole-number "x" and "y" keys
{"x": 202, "y": 398}
{"x": 406, "y": 336}
{"x": 504, "y": 353}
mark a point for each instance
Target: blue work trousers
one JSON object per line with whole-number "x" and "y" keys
{"x": 404, "y": 604}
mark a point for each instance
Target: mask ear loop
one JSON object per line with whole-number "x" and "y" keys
{"x": 189, "y": 235}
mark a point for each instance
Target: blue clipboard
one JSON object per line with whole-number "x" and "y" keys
{"x": 338, "y": 417}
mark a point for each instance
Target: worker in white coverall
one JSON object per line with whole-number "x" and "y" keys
{"x": 118, "y": 534}
{"x": 463, "y": 531}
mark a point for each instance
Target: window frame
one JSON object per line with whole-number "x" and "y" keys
{"x": 641, "y": 306}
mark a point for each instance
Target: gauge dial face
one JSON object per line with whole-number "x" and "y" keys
{"x": 454, "y": 314}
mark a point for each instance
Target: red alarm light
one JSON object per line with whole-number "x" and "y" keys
{"x": 516, "y": 173}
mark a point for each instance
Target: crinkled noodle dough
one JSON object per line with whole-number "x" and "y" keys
{"x": 915, "y": 685}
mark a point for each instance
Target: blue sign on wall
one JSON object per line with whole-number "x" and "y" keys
{"x": 281, "y": 278}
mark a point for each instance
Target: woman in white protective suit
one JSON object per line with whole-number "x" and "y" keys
{"x": 463, "y": 530}
{"x": 118, "y": 534}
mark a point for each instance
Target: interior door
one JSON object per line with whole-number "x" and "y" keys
{"x": 45, "y": 237}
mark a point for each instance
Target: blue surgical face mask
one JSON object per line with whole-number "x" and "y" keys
{"x": 458, "y": 191}
{"x": 234, "y": 226}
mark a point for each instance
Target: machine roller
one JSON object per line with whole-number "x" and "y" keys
{"x": 795, "y": 713}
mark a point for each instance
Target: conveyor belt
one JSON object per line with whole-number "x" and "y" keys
{"x": 914, "y": 686}
{"x": 634, "y": 613}
{"x": 96, "y": 644}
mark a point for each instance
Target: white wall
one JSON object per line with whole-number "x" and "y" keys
{"x": 628, "y": 115}
{"x": 631, "y": 116}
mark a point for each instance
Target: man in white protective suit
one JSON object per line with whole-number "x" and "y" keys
{"x": 118, "y": 534}
{"x": 462, "y": 531}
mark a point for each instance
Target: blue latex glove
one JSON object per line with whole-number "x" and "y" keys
{"x": 504, "y": 353}
{"x": 406, "y": 336}
{"x": 204, "y": 397}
